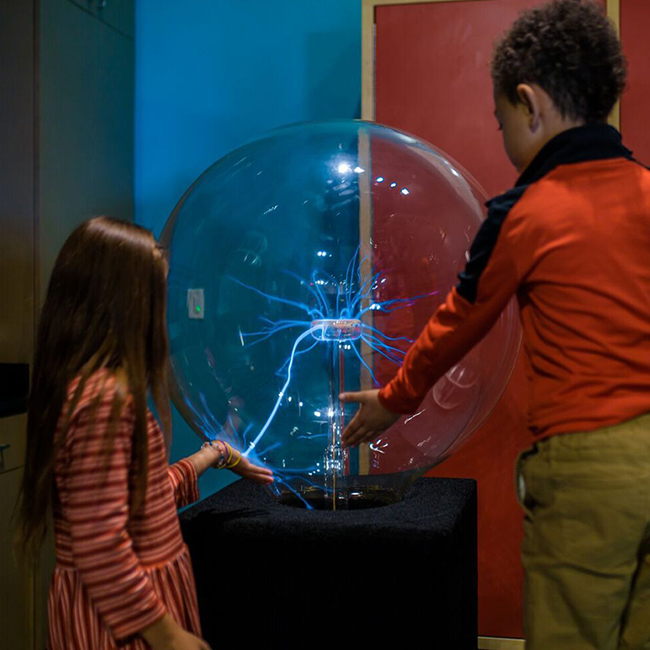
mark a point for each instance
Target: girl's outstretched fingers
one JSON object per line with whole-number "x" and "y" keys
{"x": 257, "y": 473}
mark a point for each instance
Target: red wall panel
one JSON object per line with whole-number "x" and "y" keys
{"x": 635, "y": 105}
{"x": 432, "y": 79}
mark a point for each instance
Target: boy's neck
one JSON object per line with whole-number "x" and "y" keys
{"x": 590, "y": 141}
{"x": 554, "y": 129}
{"x": 550, "y": 123}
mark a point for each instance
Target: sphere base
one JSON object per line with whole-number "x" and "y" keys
{"x": 317, "y": 500}
{"x": 297, "y": 560}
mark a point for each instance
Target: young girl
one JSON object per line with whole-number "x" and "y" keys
{"x": 97, "y": 456}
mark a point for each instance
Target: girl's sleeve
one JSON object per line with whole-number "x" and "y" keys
{"x": 184, "y": 482}
{"x": 96, "y": 503}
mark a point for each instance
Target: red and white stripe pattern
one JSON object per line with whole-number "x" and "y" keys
{"x": 117, "y": 573}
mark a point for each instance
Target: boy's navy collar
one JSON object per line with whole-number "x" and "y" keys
{"x": 580, "y": 144}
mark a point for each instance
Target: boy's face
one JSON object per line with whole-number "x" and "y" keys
{"x": 530, "y": 123}
{"x": 519, "y": 140}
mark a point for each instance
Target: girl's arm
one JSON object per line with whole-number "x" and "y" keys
{"x": 183, "y": 477}
{"x": 216, "y": 452}
{"x": 183, "y": 474}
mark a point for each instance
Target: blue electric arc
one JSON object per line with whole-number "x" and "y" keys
{"x": 335, "y": 315}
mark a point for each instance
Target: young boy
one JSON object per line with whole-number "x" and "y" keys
{"x": 572, "y": 240}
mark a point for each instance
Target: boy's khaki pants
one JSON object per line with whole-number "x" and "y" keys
{"x": 586, "y": 551}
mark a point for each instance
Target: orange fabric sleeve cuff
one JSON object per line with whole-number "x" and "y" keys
{"x": 184, "y": 480}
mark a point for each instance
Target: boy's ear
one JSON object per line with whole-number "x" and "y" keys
{"x": 530, "y": 101}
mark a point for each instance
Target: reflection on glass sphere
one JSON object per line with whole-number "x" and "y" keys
{"x": 304, "y": 264}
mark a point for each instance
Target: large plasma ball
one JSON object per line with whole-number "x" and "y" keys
{"x": 304, "y": 264}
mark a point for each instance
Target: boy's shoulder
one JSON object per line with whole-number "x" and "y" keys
{"x": 575, "y": 190}
{"x": 579, "y": 188}
{"x": 579, "y": 164}
{"x": 565, "y": 205}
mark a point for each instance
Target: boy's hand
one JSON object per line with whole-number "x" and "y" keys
{"x": 369, "y": 421}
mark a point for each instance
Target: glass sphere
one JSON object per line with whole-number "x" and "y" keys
{"x": 304, "y": 264}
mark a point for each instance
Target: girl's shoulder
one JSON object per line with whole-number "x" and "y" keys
{"x": 98, "y": 394}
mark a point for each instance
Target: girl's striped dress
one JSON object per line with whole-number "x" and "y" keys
{"x": 116, "y": 573}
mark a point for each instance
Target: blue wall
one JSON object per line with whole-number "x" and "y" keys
{"x": 213, "y": 74}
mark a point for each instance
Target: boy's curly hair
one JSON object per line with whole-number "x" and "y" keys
{"x": 571, "y": 50}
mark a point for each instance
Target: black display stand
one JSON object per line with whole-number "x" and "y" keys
{"x": 284, "y": 577}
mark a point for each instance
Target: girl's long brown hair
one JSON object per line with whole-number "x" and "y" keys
{"x": 105, "y": 309}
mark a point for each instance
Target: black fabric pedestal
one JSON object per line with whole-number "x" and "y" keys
{"x": 284, "y": 577}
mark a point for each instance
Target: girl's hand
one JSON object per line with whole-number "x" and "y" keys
{"x": 183, "y": 640}
{"x": 167, "y": 634}
{"x": 369, "y": 421}
{"x": 211, "y": 455}
{"x": 256, "y": 473}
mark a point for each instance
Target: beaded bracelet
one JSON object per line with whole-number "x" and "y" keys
{"x": 227, "y": 453}
{"x": 217, "y": 446}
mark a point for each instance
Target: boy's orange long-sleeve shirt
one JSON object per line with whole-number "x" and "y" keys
{"x": 572, "y": 241}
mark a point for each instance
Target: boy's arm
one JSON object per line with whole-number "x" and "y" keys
{"x": 500, "y": 256}
{"x": 454, "y": 329}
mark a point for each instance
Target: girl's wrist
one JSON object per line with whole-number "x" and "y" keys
{"x": 217, "y": 453}
{"x": 227, "y": 457}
